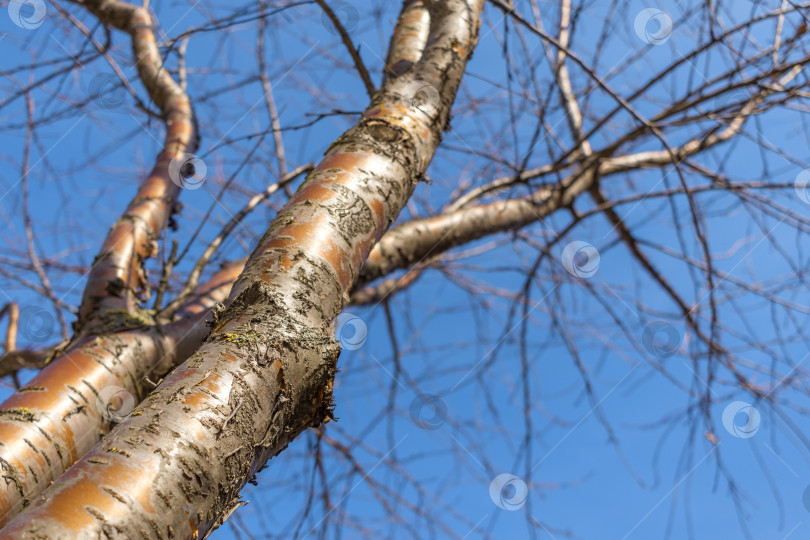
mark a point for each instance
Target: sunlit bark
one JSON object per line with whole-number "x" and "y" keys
{"x": 261, "y": 358}
{"x": 63, "y": 412}
{"x": 176, "y": 466}
{"x": 118, "y": 274}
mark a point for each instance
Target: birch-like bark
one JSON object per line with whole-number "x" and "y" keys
{"x": 65, "y": 410}
{"x": 427, "y": 238}
{"x": 430, "y": 237}
{"x": 59, "y": 415}
{"x": 118, "y": 272}
{"x": 175, "y": 467}
{"x": 408, "y": 39}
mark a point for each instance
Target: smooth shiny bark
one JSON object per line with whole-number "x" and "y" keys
{"x": 76, "y": 399}
{"x": 118, "y": 273}
{"x": 408, "y": 40}
{"x": 175, "y": 467}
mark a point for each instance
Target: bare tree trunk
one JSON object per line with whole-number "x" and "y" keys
{"x": 59, "y": 415}
{"x": 176, "y": 466}
{"x": 65, "y": 410}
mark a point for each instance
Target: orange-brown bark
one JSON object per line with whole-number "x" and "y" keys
{"x": 175, "y": 467}
{"x": 118, "y": 274}
{"x": 63, "y": 411}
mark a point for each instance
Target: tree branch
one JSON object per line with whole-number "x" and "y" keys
{"x": 265, "y": 373}
{"x": 60, "y": 414}
{"x": 118, "y": 273}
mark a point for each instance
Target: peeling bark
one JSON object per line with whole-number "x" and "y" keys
{"x": 118, "y": 273}
{"x": 175, "y": 467}
{"x": 65, "y": 410}
{"x": 64, "y": 405}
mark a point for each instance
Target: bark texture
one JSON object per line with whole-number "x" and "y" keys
{"x": 175, "y": 467}
{"x": 118, "y": 274}
{"x": 65, "y": 410}
{"x": 408, "y": 40}
{"x": 57, "y": 417}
